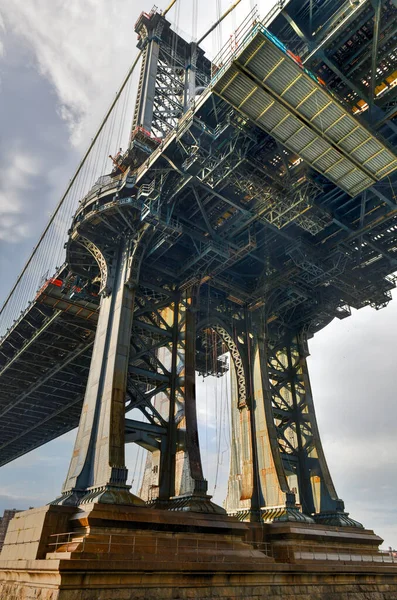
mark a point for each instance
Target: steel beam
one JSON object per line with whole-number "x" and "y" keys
{"x": 377, "y": 4}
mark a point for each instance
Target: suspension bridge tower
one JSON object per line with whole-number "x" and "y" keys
{"x": 214, "y": 232}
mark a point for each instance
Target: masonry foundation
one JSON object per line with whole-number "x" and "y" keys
{"x": 106, "y": 552}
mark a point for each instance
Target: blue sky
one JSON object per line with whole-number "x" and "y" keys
{"x": 60, "y": 65}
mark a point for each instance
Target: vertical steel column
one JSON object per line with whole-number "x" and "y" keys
{"x": 292, "y": 424}
{"x": 239, "y": 488}
{"x": 278, "y": 501}
{"x": 181, "y": 484}
{"x": 162, "y": 86}
{"x": 190, "y": 78}
{"x": 192, "y": 439}
{"x": 143, "y": 114}
{"x": 377, "y": 5}
{"x": 299, "y": 410}
{"x": 168, "y": 455}
{"x": 257, "y": 499}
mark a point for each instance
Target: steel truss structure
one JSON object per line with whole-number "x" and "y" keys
{"x": 172, "y": 70}
{"x": 255, "y": 204}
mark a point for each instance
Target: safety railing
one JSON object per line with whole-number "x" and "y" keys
{"x": 147, "y": 189}
{"x": 347, "y": 555}
{"x": 235, "y": 44}
{"x": 273, "y": 12}
{"x": 161, "y": 549}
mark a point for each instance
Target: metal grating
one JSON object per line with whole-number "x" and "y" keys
{"x": 276, "y": 91}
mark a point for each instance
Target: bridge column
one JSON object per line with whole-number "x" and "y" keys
{"x": 181, "y": 474}
{"x": 278, "y": 468}
{"x": 168, "y": 63}
{"x": 97, "y": 471}
{"x": 242, "y": 493}
{"x": 258, "y": 488}
{"x": 163, "y": 68}
{"x": 293, "y": 461}
{"x": 173, "y": 474}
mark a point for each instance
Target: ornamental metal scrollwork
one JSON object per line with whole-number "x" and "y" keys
{"x": 101, "y": 261}
{"x": 238, "y": 363}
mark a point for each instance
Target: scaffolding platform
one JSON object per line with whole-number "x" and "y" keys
{"x": 266, "y": 83}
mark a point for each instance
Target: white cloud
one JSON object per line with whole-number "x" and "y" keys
{"x": 2, "y": 33}
{"x": 82, "y": 48}
{"x": 11, "y": 230}
{"x": 18, "y": 172}
{"x": 85, "y": 48}
{"x": 8, "y": 203}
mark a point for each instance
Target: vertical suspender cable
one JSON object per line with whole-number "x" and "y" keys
{"x": 219, "y": 28}
{"x": 72, "y": 181}
{"x": 225, "y": 14}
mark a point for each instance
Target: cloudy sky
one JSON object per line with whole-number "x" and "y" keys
{"x": 60, "y": 65}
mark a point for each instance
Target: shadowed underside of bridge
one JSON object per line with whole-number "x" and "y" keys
{"x": 45, "y": 379}
{"x": 276, "y": 196}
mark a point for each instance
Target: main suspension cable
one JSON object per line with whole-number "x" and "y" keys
{"x": 171, "y": 4}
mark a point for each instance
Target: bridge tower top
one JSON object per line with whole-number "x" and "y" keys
{"x": 173, "y": 70}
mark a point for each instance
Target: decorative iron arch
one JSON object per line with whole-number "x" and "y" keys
{"x": 221, "y": 329}
{"x": 101, "y": 261}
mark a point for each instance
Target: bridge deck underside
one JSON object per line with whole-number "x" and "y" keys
{"x": 44, "y": 365}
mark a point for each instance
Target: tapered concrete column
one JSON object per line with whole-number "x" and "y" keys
{"x": 259, "y": 487}
{"x": 240, "y": 487}
{"x": 97, "y": 471}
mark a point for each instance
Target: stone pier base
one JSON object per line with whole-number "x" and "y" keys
{"x": 52, "y": 581}
{"x": 104, "y": 552}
